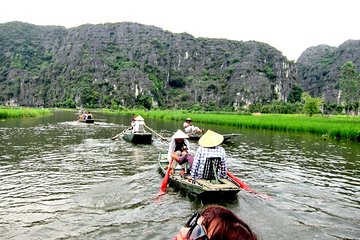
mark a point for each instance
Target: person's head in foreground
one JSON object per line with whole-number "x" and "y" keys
{"x": 215, "y": 223}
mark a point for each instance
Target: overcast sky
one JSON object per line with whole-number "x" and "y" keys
{"x": 291, "y": 26}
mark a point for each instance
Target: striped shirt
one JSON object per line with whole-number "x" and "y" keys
{"x": 202, "y": 154}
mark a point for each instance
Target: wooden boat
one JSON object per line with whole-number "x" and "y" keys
{"x": 228, "y": 137}
{"x": 138, "y": 138}
{"x": 87, "y": 120}
{"x": 201, "y": 188}
{"x": 197, "y": 136}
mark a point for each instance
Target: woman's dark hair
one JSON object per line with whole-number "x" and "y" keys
{"x": 228, "y": 226}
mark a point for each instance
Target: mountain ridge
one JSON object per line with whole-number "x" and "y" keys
{"x": 126, "y": 64}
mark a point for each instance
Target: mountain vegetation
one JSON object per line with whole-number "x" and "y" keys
{"x": 124, "y": 65}
{"x": 326, "y": 72}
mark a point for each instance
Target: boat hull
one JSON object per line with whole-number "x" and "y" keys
{"x": 138, "y": 138}
{"x": 195, "y": 137}
{"x": 87, "y": 121}
{"x": 227, "y": 137}
{"x": 200, "y": 188}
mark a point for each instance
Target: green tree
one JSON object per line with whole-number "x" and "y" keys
{"x": 295, "y": 94}
{"x": 89, "y": 97}
{"x": 69, "y": 103}
{"x": 144, "y": 100}
{"x": 350, "y": 86}
{"x": 311, "y": 105}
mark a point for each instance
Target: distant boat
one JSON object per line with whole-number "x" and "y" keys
{"x": 197, "y": 136}
{"x": 138, "y": 138}
{"x": 229, "y": 136}
{"x": 207, "y": 189}
{"x": 87, "y": 120}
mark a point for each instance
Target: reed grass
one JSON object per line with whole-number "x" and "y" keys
{"x": 22, "y": 112}
{"x": 335, "y": 126}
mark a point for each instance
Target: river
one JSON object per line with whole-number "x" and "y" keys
{"x": 61, "y": 179}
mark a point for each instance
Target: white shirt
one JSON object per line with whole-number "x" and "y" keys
{"x": 172, "y": 147}
{"x": 188, "y": 128}
{"x": 138, "y": 127}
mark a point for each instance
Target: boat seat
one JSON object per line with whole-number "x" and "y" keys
{"x": 223, "y": 184}
{"x": 211, "y": 169}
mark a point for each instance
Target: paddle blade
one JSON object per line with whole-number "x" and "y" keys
{"x": 246, "y": 187}
{"x": 166, "y": 178}
{"x": 237, "y": 180}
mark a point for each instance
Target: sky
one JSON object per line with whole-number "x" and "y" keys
{"x": 291, "y": 26}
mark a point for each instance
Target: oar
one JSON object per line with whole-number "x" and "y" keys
{"x": 100, "y": 119}
{"x": 246, "y": 187}
{"x": 166, "y": 179}
{"x": 155, "y": 133}
{"x": 241, "y": 183}
{"x": 116, "y": 136}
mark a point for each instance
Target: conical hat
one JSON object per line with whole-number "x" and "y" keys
{"x": 139, "y": 118}
{"x": 179, "y": 134}
{"x": 188, "y": 119}
{"x": 211, "y": 139}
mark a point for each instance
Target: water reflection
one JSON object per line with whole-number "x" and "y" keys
{"x": 64, "y": 179}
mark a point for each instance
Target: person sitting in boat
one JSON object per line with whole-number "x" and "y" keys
{"x": 133, "y": 122}
{"x": 183, "y": 157}
{"x": 209, "y": 147}
{"x": 179, "y": 144}
{"x": 89, "y": 115}
{"x": 138, "y": 125}
{"x": 216, "y": 222}
{"x": 84, "y": 115}
{"x": 189, "y": 128}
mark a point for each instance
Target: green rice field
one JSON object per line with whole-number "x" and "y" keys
{"x": 334, "y": 126}
{"x": 22, "y": 112}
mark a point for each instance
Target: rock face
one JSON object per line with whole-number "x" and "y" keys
{"x": 128, "y": 64}
{"x": 318, "y": 68}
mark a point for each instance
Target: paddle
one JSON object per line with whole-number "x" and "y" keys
{"x": 246, "y": 187}
{"x": 116, "y": 136}
{"x": 155, "y": 133}
{"x": 100, "y": 119}
{"x": 166, "y": 179}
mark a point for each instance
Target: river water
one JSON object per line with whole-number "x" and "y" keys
{"x": 60, "y": 179}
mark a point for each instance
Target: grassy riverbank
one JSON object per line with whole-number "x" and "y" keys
{"x": 336, "y": 126}
{"x": 22, "y": 112}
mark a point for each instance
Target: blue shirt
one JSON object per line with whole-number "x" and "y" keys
{"x": 202, "y": 154}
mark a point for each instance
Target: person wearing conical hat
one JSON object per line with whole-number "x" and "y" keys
{"x": 179, "y": 150}
{"x": 138, "y": 125}
{"x": 189, "y": 128}
{"x": 209, "y": 147}
{"x": 133, "y": 122}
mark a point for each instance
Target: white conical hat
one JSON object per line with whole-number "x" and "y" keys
{"x": 179, "y": 134}
{"x": 139, "y": 118}
{"x": 211, "y": 139}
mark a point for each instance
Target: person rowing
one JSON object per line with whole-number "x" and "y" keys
{"x": 179, "y": 150}
{"x": 189, "y": 128}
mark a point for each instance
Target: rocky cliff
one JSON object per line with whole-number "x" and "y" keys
{"x": 318, "y": 68}
{"x": 129, "y": 64}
